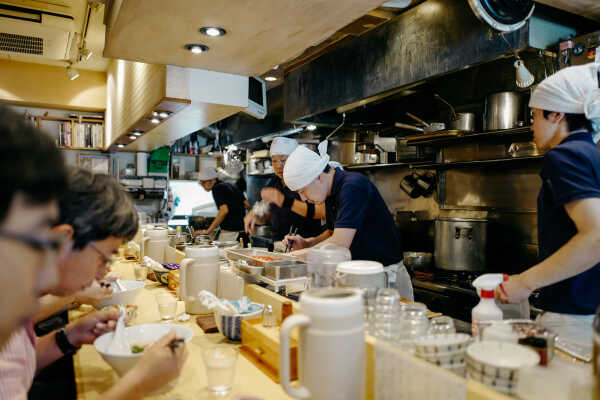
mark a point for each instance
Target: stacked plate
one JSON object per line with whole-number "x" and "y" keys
{"x": 445, "y": 350}
{"x": 497, "y": 364}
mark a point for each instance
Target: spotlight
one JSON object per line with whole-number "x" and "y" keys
{"x": 72, "y": 73}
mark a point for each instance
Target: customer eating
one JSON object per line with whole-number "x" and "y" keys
{"x": 33, "y": 176}
{"x": 287, "y": 211}
{"x": 357, "y": 217}
{"x": 95, "y": 217}
{"x": 231, "y": 205}
{"x": 566, "y": 123}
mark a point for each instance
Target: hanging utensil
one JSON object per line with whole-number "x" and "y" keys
{"x": 419, "y": 120}
{"x": 459, "y": 121}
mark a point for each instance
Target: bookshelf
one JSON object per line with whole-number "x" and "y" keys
{"x": 73, "y": 133}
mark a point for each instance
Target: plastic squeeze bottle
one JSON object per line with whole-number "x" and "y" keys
{"x": 487, "y": 309}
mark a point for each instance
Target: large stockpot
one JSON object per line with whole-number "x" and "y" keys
{"x": 460, "y": 244}
{"x": 502, "y": 111}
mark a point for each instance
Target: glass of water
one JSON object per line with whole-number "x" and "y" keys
{"x": 220, "y": 368}
{"x": 167, "y": 306}
{"x": 441, "y": 325}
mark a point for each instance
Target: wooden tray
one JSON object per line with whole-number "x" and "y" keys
{"x": 260, "y": 346}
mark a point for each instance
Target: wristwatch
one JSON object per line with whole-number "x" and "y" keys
{"x": 63, "y": 343}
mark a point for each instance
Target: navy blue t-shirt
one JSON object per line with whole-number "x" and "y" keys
{"x": 570, "y": 171}
{"x": 355, "y": 203}
{"x": 226, "y": 193}
{"x": 283, "y": 218}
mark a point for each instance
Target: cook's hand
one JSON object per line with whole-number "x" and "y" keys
{"x": 513, "y": 290}
{"x": 249, "y": 222}
{"x": 295, "y": 242}
{"x": 159, "y": 365}
{"x": 301, "y": 254}
{"x": 88, "y": 328}
{"x": 201, "y": 232}
{"x": 94, "y": 293}
{"x": 272, "y": 195}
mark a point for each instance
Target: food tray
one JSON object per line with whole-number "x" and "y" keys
{"x": 292, "y": 269}
{"x": 246, "y": 255}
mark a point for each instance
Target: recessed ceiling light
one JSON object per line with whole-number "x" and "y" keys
{"x": 138, "y": 132}
{"x": 276, "y": 67}
{"x": 155, "y": 113}
{"x": 120, "y": 146}
{"x": 132, "y": 137}
{"x": 196, "y": 48}
{"x": 311, "y": 127}
{"x": 270, "y": 78}
{"x": 155, "y": 120}
{"x": 164, "y": 114}
{"x": 213, "y": 31}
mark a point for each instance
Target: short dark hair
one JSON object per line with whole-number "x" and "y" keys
{"x": 30, "y": 163}
{"x": 574, "y": 121}
{"x": 97, "y": 207}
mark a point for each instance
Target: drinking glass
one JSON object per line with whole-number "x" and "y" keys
{"x": 220, "y": 368}
{"x": 387, "y": 310}
{"x": 412, "y": 323}
{"x": 140, "y": 272}
{"x": 441, "y": 325}
{"x": 167, "y": 306}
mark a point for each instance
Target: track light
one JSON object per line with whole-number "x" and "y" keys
{"x": 72, "y": 73}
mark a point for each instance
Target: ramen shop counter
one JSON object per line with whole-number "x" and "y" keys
{"x": 93, "y": 375}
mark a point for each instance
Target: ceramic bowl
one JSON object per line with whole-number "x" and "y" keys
{"x": 132, "y": 290}
{"x": 500, "y": 359}
{"x": 501, "y": 385}
{"x": 162, "y": 277}
{"x": 444, "y": 343}
{"x": 146, "y": 333}
{"x": 230, "y": 326}
{"x": 440, "y": 359}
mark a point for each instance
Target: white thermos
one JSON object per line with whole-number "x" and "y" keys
{"x": 331, "y": 346}
{"x": 199, "y": 271}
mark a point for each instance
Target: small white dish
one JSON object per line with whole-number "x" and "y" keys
{"x": 500, "y": 359}
{"x": 125, "y": 297}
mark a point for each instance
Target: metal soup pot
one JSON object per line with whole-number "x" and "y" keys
{"x": 460, "y": 244}
{"x": 502, "y": 111}
{"x": 463, "y": 122}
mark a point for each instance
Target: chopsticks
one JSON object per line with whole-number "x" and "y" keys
{"x": 173, "y": 344}
{"x": 288, "y": 248}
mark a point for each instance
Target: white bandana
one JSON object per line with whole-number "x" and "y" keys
{"x": 573, "y": 90}
{"x": 282, "y": 146}
{"x": 303, "y": 166}
{"x": 206, "y": 174}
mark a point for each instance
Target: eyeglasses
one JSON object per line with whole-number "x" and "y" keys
{"x": 107, "y": 260}
{"x": 37, "y": 243}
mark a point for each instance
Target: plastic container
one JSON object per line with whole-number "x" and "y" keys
{"x": 322, "y": 263}
{"x": 487, "y": 309}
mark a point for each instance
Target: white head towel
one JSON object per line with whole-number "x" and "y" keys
{"x": 282, "y": 146}
{"x": 206, "y": 174}
{"x": 303, "y": 166}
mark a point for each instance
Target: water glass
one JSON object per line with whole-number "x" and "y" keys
{"x": 220, "y": 368}
{"x": 140, "y": 272}
{"x": 441, "y": 325}
{"x": 167, "y": 306}
{"x": 412, "y": 323}
{"x": 387, "y": 311}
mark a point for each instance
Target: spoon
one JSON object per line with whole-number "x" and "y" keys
{"x": 119, "y": 285}
{"x": 119, "y": 343}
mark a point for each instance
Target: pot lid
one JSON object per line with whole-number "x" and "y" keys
{"x": 503, "y": 15}
{"x": 359, "y": 267}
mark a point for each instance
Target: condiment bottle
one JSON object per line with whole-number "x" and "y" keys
{"x": 286, "y": 310}
{"x": 487, "y": 309}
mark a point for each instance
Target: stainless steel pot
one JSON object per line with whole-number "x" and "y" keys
{"x": 463, "y": 122}
{"x": 502, "y": 111}
{"x": 460, "y": 244}
{"x": 263, "y": 231}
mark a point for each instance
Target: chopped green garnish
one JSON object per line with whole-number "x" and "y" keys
{"x": 137, "y": 349}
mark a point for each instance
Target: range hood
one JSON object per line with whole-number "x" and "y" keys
{"x": 191, "y": 99}
{"x": 433, "y": 39}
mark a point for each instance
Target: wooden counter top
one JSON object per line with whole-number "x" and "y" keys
{"x": 94, "y": 376}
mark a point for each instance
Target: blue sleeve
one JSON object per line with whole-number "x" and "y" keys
{"x": 571, "y": 175}
{"x": 353, "y": 205}
{"x": 220, "y": 195}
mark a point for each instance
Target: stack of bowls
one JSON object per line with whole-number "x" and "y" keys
{"x": 444, "y": 350}
{"x": 497, "y": 364}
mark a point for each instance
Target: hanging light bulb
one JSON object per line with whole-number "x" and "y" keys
{"x": 524, "y": 78}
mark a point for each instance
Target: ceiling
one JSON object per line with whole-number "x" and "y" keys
{"x": 260, "y": 33}
{"x": 586, "y": 8}
{"x": 77, "y": 9}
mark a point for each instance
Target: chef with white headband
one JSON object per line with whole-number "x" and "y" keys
{"x": 284, "y": 208}
{"x": 357, "y": 217}
{"x": 566, "y": 118}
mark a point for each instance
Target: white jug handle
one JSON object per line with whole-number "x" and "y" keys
{"x": 296, "y": 320}
{"x": 182, "y": 281}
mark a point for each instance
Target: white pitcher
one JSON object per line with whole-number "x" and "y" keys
{"x": 153, "y": 244}
{"x": 199, "y": 271}
{"x": 331, "y": 346}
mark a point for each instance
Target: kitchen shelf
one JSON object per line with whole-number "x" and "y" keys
{"x": 264, "y": 174}
{"x": 375, "y": 166}
{"x": 524, "y": 132}
{"x": 477, "y": 163}
{"x": 81, "y": 148}
{"x": 197, "y": 155}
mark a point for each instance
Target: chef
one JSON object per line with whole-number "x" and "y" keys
{"x": 230, "y": 202}
{"x": 357, "y": 217}
{"x": 286, "y": 209}
{"x": 566, "y": 117}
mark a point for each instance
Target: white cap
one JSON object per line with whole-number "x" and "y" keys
{"x": 359, "y": 267}
{"x": 303, "y": 166}
{"x": 206, "y": 174}
{"x": 282, "y": 146}
{"x": 572, "y": 90}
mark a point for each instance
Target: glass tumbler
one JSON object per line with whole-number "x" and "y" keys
{"x": 387, "y": 311}
{"x": 413, "y": 323}
{"x": 167, "y": 306}
{"x": 220, "y": 368}
{"x": 441, "y": 325}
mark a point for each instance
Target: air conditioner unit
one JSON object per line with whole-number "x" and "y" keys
{"x": 35, "y": 32}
